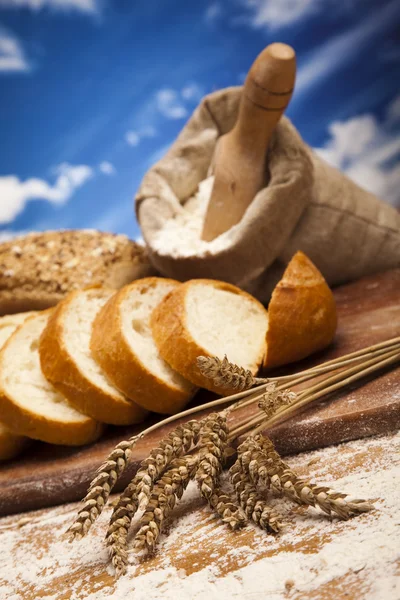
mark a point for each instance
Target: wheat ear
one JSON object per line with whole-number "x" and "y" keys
{"x": 177, "y": 443}
{"x": 226, "y": 509}
{"x": 212, "y": 446}
{"x": 263, "y": 464}
{"x": 273, "y": 399}
{"x": 225, "y": 374}
{"x": 166, "y": 492}
{"x": 253, "y": 504}
{"x": 100, "y": 488}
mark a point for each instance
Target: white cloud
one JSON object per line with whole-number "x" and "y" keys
{"x": 368, "y": 152}
{"x": 85, "y": 6}
{"x": 148, "y": 132}
{"x": 133, "y": 138}
{"x": 213, "y": 12}
{"x": 192, "y": 92}
{"x": 278, "y": 13}
{"x": 107, "y": 168}
{"x": 15, "y": 193}
{"x": 12, "y": 56}
{"x": 170, "y": 105}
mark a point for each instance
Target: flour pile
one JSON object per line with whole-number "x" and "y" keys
{"x": 180, "y": 237}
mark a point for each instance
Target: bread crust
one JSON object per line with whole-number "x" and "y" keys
{"x": 11, "y": 444}
{"x": 302, "y": 314}
{"x": 37, "y": 427}
{"x": 123, "y": 366}
{"x": 65, "y": 375}
{"x": 39, "y": 269}
{"x": 174, "y": 341}
{"x": 28, "y": 423}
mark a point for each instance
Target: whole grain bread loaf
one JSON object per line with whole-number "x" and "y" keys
{"x": 38, "y": 269}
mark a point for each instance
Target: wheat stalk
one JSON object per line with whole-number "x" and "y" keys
{"x": 177, "y": 443}
{"x": 212, "y": 445}
{"x": 257, "y": 422}
{"x": 263, "y": 464}
{"x": 257, "y": 460}
{"x": 274, "y": 399}
{"x": 100, "y": 488}
{"x": 226, "y": 509}
{"x": 225, "y": 374}
{"x": 377, "y": 356}
{"x": 253, "y": 504}
{"x": 163, "y": 498}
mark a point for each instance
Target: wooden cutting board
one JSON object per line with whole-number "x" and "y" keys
{"x": 369, "y": 312}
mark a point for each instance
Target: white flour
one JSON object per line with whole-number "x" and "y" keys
{"x": 312, "y": 552}
{"x": 181, "y": 236}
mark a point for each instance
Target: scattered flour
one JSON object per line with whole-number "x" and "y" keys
{"x": 200, "y": 559}
{"x": 180, "y": 236}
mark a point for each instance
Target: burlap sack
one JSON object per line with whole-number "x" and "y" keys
{"x": 307, "y": 205}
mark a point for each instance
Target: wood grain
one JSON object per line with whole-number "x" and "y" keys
{"x": 369, "y": 312}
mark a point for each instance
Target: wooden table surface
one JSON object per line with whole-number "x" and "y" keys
{"x": 200, "y": 558}
{"x": 368, "y": 313}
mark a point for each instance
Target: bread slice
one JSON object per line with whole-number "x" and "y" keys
{"x": 302, "y": 314}
{"x": 11, "y": 444}
{"x": 9, "y": 323}
{"x": 123, "y": 345}
{"x": 67, "y": 362}
{"x": 209, "y": 318}
{"x": 29, "y": 404}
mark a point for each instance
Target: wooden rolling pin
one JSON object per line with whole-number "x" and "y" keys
{"x": 240, "y": 157}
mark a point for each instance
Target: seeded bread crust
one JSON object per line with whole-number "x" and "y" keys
{"x": 39, "y": 269}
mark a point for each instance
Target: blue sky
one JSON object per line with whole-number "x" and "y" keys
{"x": 92, "y": 93}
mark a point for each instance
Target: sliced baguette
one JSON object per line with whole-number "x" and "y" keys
{"x": 302, "y": 314}
{"x": 9, "y": 323}
{"x": 123, "y": 345}
{"x": 11, "y": 444}
{"x": 209, "y": 318}
{"x": 29, "y": 404}
{"x": 67, "y": 361}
